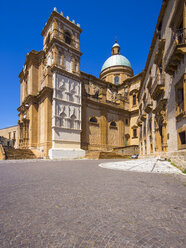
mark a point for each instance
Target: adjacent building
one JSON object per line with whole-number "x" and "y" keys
{"x": 162, "y": 94}
{"x": 9, "y": 136}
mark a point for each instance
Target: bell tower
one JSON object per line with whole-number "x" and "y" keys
{"x": 61, "y": 44}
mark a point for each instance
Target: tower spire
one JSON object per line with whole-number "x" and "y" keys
{"x": 115, "y": 39}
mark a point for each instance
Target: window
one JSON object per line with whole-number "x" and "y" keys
{"x": 113, "y": 124}
{"x": 9, "y": 135}
{"x": 116, "y": 80}
{"x": 14, "y": 135}
{"x": 48, "y": 39}
{"x": 180, "y": 96}
{"x": 182, "y": 138}
{"x": 93, "y": 120}
{"x": 134, "y": 133}
{"x": 68, "y": 37}
{"x": 134, "y": 100}
{"x": 126, "y": 121}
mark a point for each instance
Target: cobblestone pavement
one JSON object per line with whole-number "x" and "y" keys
{"x": 79, "y": 204}
{"x": 142, "y": 165}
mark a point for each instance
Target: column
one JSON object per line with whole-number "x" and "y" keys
{"x": 78, "y": 66}
{"x": 73, "y": 65}
{"x": 63, "y": 59}
{"x": 164, "y": 132}
{"x": 103, "y": 129}
{"x": 184, "y": 91}
{"x": 55, "y": 56}
{"x": 48, "y": 123}
{"x": 33, "y": 125}
{"x": 121, "y": 133}
{"x": 184, "y": 20}
{"x": 55, "y": 28}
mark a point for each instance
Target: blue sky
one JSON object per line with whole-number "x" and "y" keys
{"x": 133, "y": 22}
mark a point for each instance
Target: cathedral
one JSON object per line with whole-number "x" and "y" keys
{"x": 65, "y": 112}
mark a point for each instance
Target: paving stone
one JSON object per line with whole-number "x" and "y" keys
{"x": 79, "y": 204}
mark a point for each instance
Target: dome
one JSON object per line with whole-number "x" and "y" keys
{"x": 116, "y": 60}
{"x": 116, "y": 45}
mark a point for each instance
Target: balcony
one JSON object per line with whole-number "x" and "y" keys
{"x": 139, "y": 121}
{"x": 180, "y": 112}
{"x": 159, "y": 54}
{"x": 143, "y": 116}
{"x": 148, "y": 105}
{"x": 158, "y": 86}
{"x": 176, "y": 50}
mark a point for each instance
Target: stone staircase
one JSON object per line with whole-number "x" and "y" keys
{"x": 105, "y": 155}
{"x": 12, "y": 153}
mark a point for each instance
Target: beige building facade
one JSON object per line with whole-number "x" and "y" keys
{"x": 162, "y": 95}
{"x": 64, "y": 111}
{"x": 9, "y": 136}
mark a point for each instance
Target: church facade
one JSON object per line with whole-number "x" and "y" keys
{"x": 65, "y": 112}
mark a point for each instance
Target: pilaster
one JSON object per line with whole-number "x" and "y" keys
{"x": 103, "y": 129}
{"x": 33, "y": 125}
{"x": 121, "y": 133}
{"x": 184, "y": 90}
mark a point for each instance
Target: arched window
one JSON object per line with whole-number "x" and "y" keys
{"x": 113, "y": 124}
{"x": 93, "y": 120}
{"x": 116, "y": 80}
{"x": 68, "y": 37}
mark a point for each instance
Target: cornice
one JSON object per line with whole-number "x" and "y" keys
{"x": 86, "y": 76}
{"x": 62, "y": 18}
{"x": 34, "y": 99}
{"x": 55, "y": 41}
{"x": 106, "y": 105}
{"x": 63, "y": 72}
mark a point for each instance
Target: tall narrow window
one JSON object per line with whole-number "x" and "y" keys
{"x": 180, "y": 96}
{"x": 134, "y": 100}
{"x": 182, "y": 138}
{"x": 134, "y": 133}
{"x": 127, "y": 122}
{"x": 116, "y": 80}
{"x": 68, "y": 37}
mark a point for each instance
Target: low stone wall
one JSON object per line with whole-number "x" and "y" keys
{"x": 127, "y": 150}
{"x": 178, "y": 158}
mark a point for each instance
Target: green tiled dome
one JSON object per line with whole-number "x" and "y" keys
{"x": 116, "y": 60}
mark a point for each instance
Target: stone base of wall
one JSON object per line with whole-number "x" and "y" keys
{"x": 127, "y": 150}
{"x": 178, "y": 158}
{"x": 58, "y": 153}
